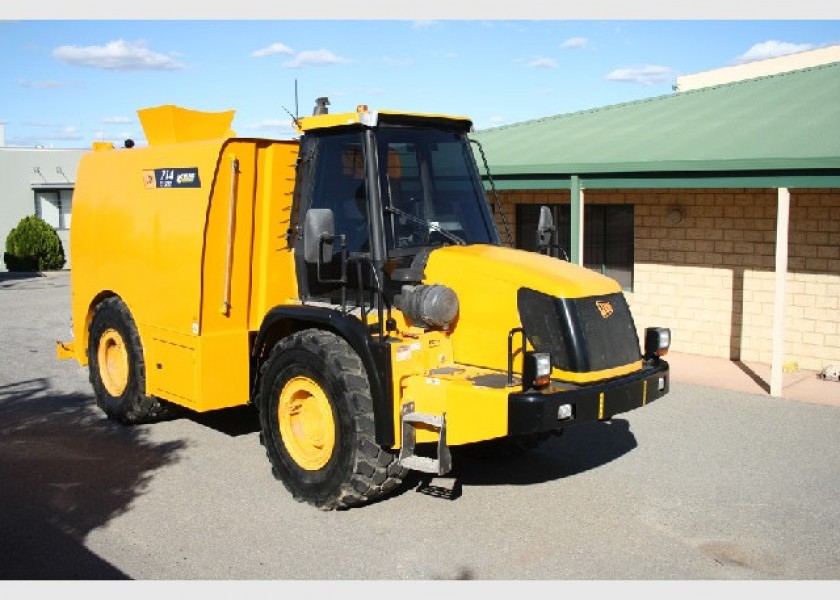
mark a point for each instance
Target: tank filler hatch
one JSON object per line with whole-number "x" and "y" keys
{"x": 170, "y": 124}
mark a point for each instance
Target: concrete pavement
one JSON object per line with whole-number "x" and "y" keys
{"x": 752, "y": 378}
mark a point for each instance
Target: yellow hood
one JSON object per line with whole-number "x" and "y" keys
{"x": 519, "y": 268}
{"x": 486, "y": 280}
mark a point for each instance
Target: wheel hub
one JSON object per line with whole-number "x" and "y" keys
{"x": 112, "y": 356}
{"x": 306, "y": 423}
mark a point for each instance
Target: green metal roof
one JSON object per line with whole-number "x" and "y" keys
{"x": 783, "y": 125}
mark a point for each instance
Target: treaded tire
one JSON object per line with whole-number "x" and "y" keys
{"x": 350, "y": 469}
{"x": 112, "y": 322}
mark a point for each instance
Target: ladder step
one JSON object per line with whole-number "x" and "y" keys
{"x": 440, "y": 465}
{"x": 425, "y": 418}
{"x": 424, "y": 464}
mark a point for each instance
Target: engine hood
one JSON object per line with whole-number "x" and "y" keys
{"x": 486, "y": 280}
{"x": 517, "y": 268}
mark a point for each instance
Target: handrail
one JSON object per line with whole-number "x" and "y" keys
{"x": 234, "y": 171}
{"x": 511, "y": 333}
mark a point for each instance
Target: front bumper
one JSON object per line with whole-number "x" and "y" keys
{"x": 537, "y": 411}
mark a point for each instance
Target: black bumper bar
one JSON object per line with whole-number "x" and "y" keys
{"x": 537, "y": 411}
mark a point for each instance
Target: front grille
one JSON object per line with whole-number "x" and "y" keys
{"x": 581, "y": 334}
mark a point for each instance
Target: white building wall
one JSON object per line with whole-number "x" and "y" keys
{"x": 27, "y": 172}
{"x": 759, "y": 68}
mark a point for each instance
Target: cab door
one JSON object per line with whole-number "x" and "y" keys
{"x": 332, "y": 176}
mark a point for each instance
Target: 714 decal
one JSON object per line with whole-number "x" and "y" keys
{"x": 171, "y": 178}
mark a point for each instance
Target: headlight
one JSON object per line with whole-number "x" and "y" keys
{"x": 657, "y": 341}
{"x": 536, "y": 371}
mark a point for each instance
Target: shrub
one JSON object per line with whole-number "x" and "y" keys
{"x": 33, "y": 246}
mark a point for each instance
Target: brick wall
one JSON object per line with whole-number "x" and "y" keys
{"x": 710, "y": 277}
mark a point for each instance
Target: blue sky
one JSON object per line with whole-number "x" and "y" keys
{"x": 71, "y": 82}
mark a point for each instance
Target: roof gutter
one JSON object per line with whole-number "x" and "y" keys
{"x": 805, "y": 178}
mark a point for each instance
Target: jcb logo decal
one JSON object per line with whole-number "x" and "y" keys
{"x": 604, "y": 307}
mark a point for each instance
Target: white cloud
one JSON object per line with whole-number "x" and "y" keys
{"x": 42, "y": 85}
{"x": 543, "y": 63}
{"x": 116, "y": 120}
{"x": 39, "y": 142}
{"x": 490, "y": 122}
{"x": 67, "y": 134}
{"x": 273, "y": 49}
{"x": 575, "y": 42}
{"x": 646, "y": 74}
{"x": 315, "y": 58}
{"x": 771, "y": 49}
{"x": 118, "y": 55}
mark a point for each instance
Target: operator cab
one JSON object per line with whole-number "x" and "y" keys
{"x": 378, "y": 193}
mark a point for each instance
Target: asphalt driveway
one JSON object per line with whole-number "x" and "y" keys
{"x": 704, "y": 484}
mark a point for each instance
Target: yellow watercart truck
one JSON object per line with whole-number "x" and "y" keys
{"x": 350, "y": 285}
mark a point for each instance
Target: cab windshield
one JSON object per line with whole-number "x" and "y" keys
{"x": 430, "y": 190}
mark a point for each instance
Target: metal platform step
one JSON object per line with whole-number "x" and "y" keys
{"x": 440, "y": 465}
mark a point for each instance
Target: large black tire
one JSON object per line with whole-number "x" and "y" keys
{"x": 317, "y": 424}
{"x": 116, "y": 366}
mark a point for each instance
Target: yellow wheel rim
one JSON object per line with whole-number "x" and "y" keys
{"x": 112, "y": 356}
{"x": 306, "y": 422}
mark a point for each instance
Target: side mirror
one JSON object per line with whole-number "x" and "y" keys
{"x": 318, "y": 225}
{"x": 545, "y": 227}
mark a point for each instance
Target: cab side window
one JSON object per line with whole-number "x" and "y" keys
{"x": 338, "y": 184}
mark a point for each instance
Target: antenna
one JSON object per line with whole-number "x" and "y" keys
{"x": 295, "y": 117}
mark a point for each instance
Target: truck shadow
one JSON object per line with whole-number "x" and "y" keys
{"x": 232, "y": 422}
{"x": 65, "y": 471}
{"x": 580, "y": 449}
